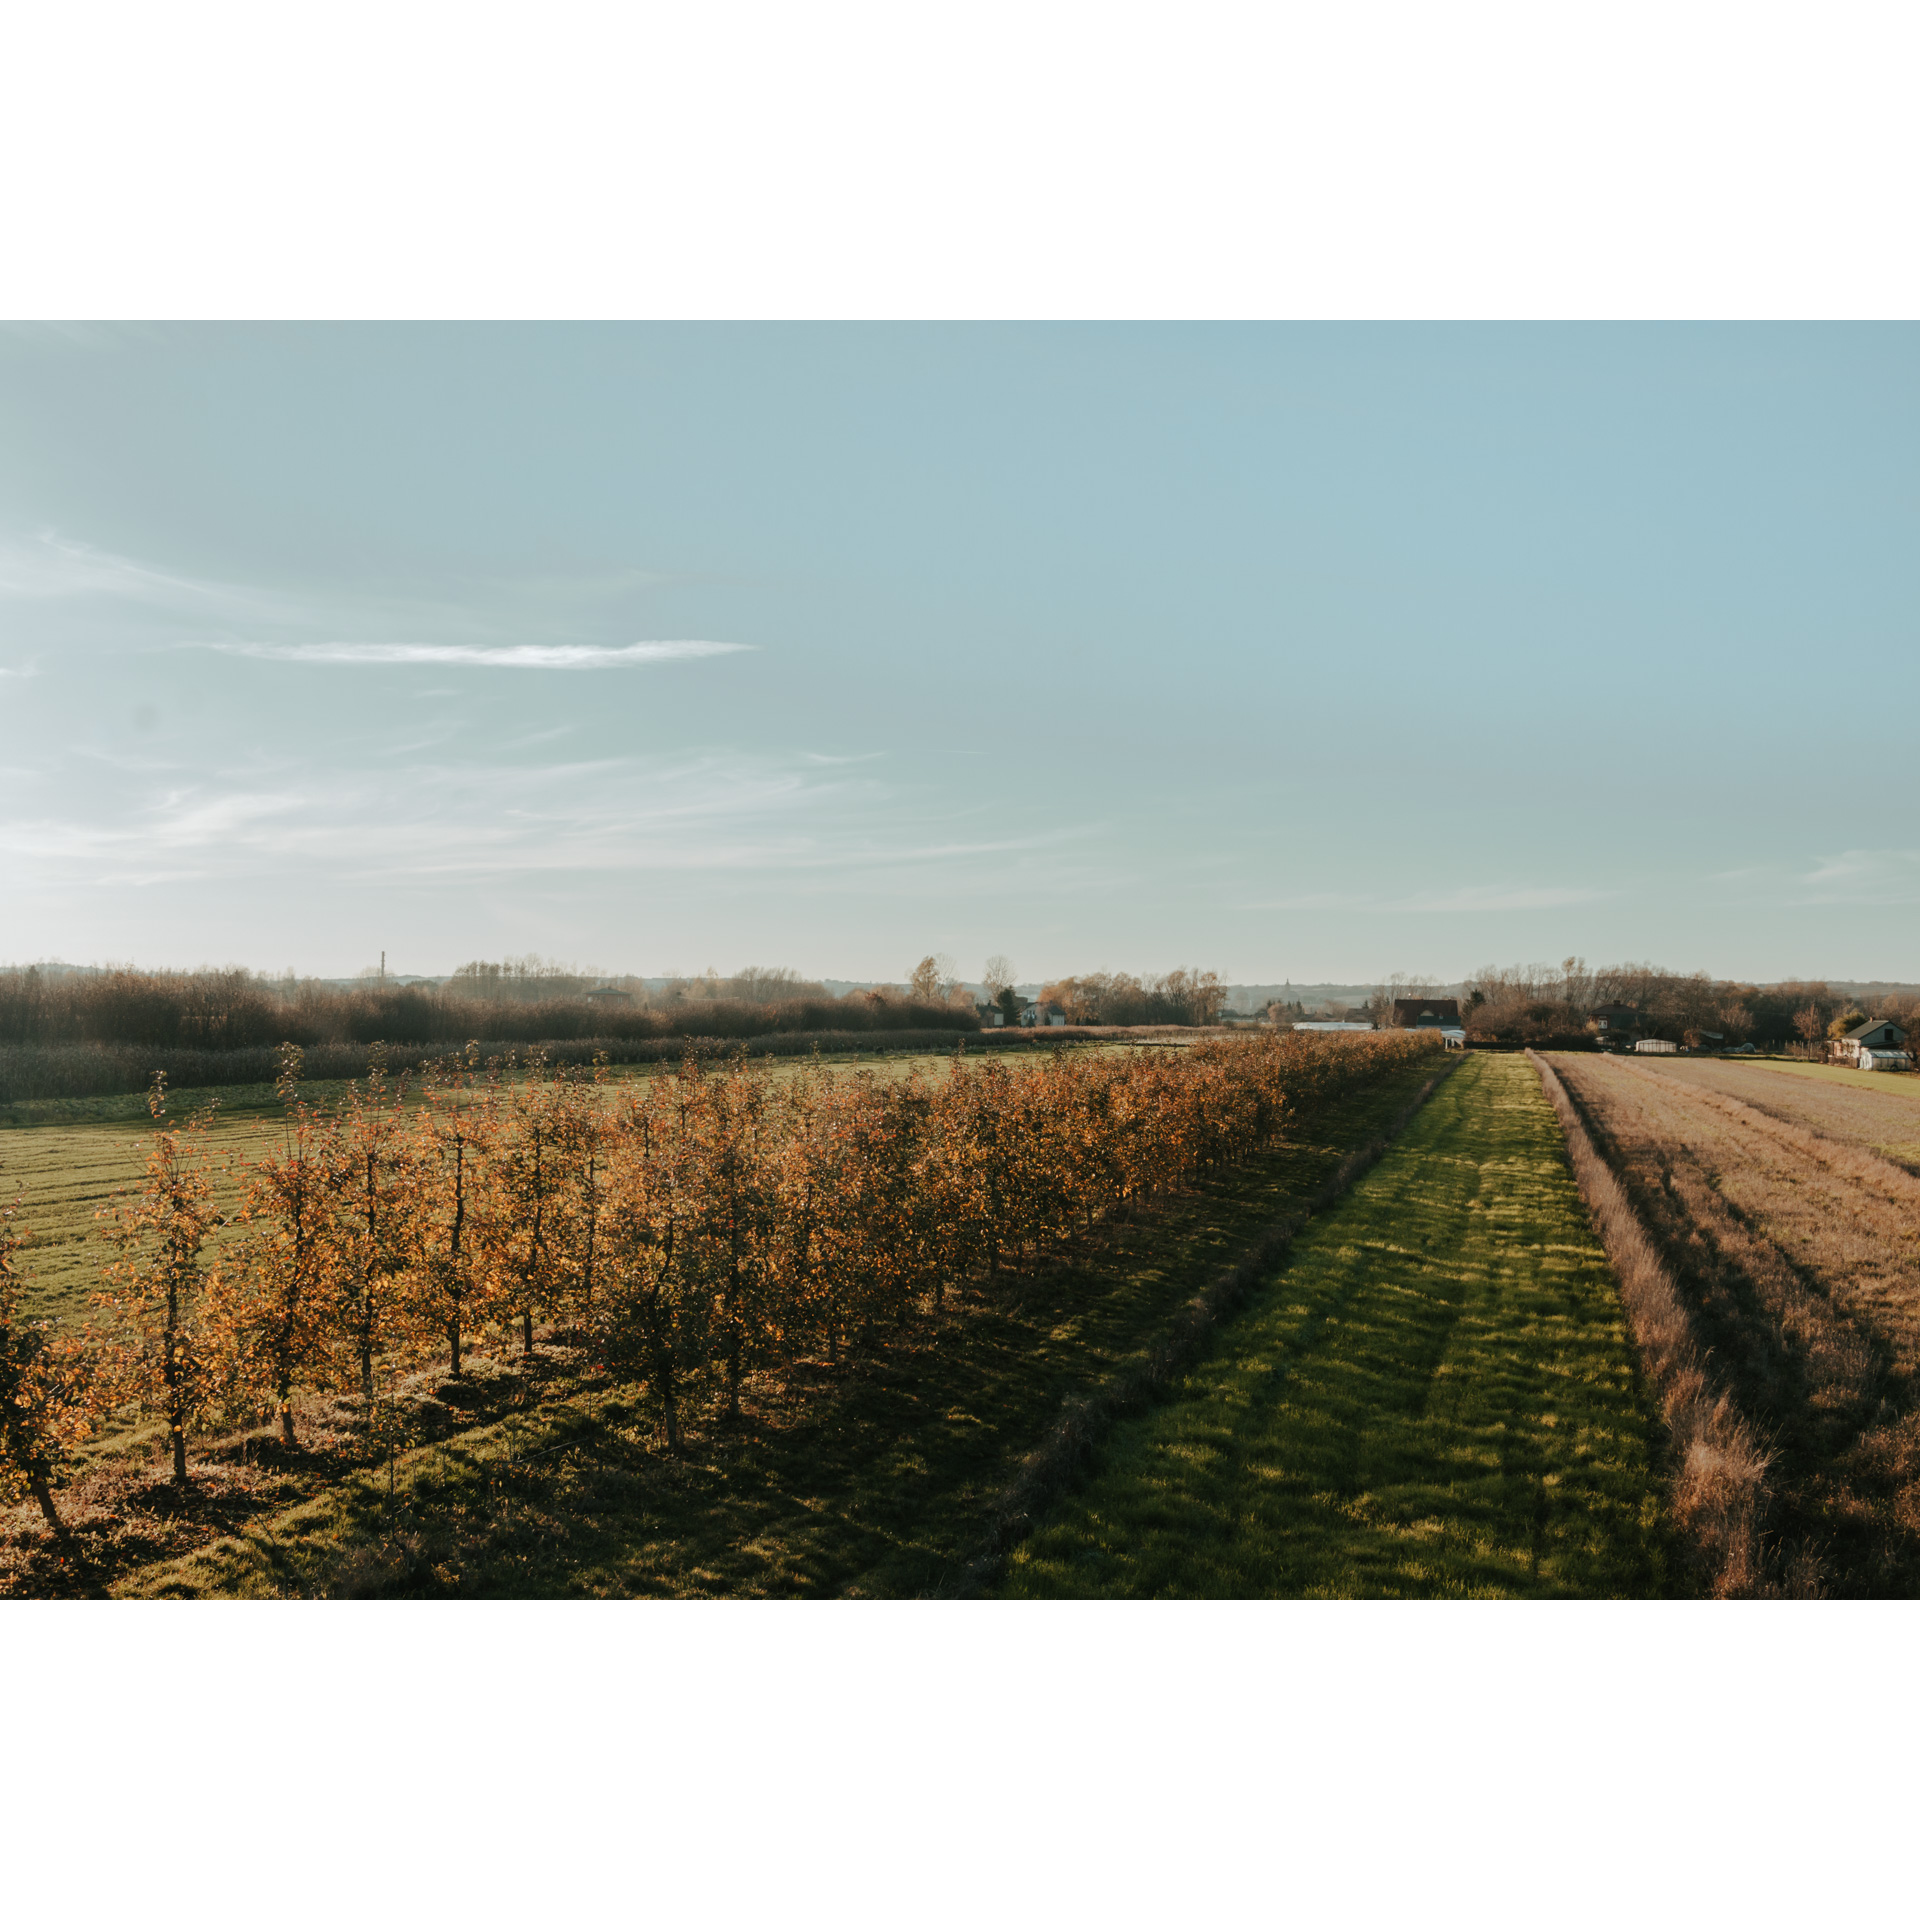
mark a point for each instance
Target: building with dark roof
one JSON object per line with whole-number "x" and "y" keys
{"x": 1873, "y": 1044}
{"x": 1616, "y": 1024}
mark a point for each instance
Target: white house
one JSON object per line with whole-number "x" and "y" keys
{"x": 1875, "y": 1045}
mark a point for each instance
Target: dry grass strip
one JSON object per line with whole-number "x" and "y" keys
{"x": 1068, "y": 1449}
{"x": 1718, "y": 1463}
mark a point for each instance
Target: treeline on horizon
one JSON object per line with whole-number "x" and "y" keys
{"x": 233, "y": 1010}
{"x": 1540, "y": 1004}
{"x": 77, "y": 1073}
{"x": 72, "y": 1033}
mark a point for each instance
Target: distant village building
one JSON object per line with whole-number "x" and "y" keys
{"x": 1615, "y": 1023}
{"x": 1432, "y": 1016}
{"x": 1703, "y": 1040}
{"x": 610, "y": 996}
{"x": 1875, "y": 1045}
{"x": 1656, "y": 1046}
{"x": 1044, "y": 1014}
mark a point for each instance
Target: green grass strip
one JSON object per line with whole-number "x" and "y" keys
{"x": 1435, "y": 1397}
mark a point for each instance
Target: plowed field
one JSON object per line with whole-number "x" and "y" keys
{"x": 1798, "y": 1250}
{"x": 1878, "y": 1111}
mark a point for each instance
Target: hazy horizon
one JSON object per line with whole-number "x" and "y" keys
{"x": 1309, "y": 652}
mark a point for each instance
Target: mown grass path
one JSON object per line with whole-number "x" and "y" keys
{"x": 1435, "y": 1397}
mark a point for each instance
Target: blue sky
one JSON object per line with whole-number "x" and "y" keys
{"x": 1316, "y": 652}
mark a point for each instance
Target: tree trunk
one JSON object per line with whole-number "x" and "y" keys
{"x": 733, "y": 1322}
{"x": 458, "y": 1287}
{"x": 286, "y": 1419}
{"x": 43, "y": 1498}
{"x": 593, "y": 1221}
{"x": 526, "y": 1333}
{"x": 665, "y": 1379}
{"x": 23, "y": 1457}
{"x": 170, "y": 1370}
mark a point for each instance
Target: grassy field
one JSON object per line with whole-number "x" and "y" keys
{"x": 1901, "y": 1085}
{"x": 1434, "y": 1398}
{"x": 1798, "y": 1253}
{"x": 872, "y": 1481}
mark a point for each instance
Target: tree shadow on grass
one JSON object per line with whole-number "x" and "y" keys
{"x": 1434, "y": 1398}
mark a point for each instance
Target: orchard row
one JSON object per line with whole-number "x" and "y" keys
{"x": 685, "y": 1230}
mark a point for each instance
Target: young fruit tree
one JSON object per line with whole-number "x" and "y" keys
{"x": 164, "y": 1357}
{"x": 291, "y": 1277}
{"x": 377, "y": 1224}
{"x": 45, "y": 1405}
{"x": 653, "y": 1317}
{"x": 455, "y": 1134}
{"x": 527, "y": 1227}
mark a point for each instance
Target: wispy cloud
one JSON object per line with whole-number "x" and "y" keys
{"x": 1498, "y": 899}
{"x": 50, "y": 567}
{"x": 436, "y": 822}
{"x": 404, "y": 653}
{"x": 263, "y": 784}
{"x": 1494, "y": 898}
{"x": 1855, "y": 876}
{"x": 1862, "y": 875}
{"x": 545, "y": 622}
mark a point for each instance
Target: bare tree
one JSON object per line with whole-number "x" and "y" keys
{"x": 763, "y": 986}
{"x": 1000, "y": 984}
{"x": 932, "y": 979}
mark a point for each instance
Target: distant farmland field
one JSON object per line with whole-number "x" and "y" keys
{"x": 1795, "y": 1241}
{"x": 1877, "y": 1111}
